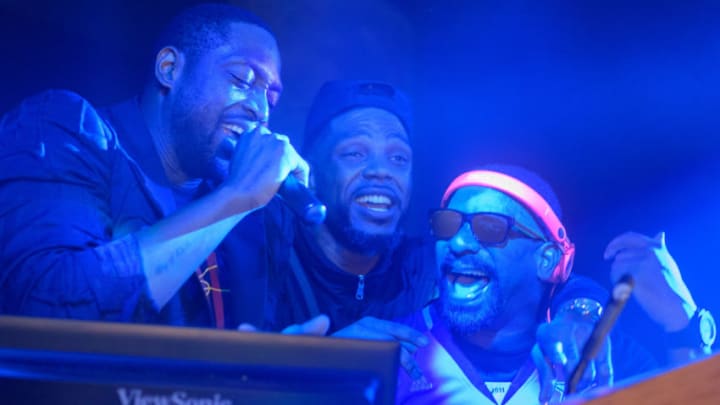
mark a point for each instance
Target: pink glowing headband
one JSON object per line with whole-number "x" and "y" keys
{"x": 530, "y": 199}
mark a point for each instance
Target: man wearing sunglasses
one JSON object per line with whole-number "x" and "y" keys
{"x": 358, "y": 268}
{"x": 504, "y": 258}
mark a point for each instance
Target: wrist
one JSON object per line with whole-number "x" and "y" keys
{"x": 700, "y": 332}
{"x": 237, "y": 202}
{"x": 580, "y": 309}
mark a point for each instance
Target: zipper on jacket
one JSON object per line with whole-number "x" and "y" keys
{"x": 360, "y": 292}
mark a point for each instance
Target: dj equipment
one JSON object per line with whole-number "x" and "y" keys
{"x": 47, "y": 361}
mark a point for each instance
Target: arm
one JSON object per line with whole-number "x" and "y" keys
{"x": 659, "y": 287}
{"x": 575, "y": 308}
{"x": 59, "y": 256}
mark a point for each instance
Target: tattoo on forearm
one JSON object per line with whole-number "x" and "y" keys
{"x": 172, "y": 259}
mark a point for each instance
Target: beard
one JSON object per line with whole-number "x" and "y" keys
{"x": 468, "y": 318}
{"x": 354, "y": 239}
{"x": 192, "y": 141}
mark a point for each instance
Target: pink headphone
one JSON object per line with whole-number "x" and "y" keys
{"x": 533, "y": 202}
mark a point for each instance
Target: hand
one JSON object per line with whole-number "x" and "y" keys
{"x": 659, "y": 287}
{"x": 378, "y": 329}
{"x": 260, "y": 163}
{"x": 316, "y": 326}
{"x": 557, "y": 353}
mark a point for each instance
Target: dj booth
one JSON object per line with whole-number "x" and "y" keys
{"x": 48, "y": 361}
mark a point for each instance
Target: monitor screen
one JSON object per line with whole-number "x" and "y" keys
{"x": 71, "y": 362}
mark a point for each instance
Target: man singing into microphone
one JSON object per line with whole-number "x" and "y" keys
{"x": 117, "y": 214}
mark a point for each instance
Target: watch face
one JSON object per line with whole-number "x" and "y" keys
{"x": 708, "y": 330}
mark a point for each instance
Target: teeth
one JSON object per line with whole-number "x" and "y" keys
{"x": 236, "y": 129}
{"x": 374, "y": 199}
{"x": 470, "y": 273}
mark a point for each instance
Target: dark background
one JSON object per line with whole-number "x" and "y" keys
{"x": 614, "y": 102}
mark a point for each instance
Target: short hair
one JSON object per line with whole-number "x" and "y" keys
{"x": 204, "y": 26}
{"x": 532, "y": 179}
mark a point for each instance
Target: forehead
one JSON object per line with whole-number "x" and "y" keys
{"x": 365, "y": 121}
{"x": 472, "y": 199}
{"x": 251, "y": 44}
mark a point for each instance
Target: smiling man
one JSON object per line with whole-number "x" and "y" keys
{"x": 504, "y": 257}
{"x": 358, "y": 265}
{"x": 117, "y": 215}
{"x": 510, "y": 321}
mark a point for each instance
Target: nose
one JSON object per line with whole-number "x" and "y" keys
{"x": 464, "y": 242}
{"x": 257, "y": 105}
{"x": 376, "y": 167}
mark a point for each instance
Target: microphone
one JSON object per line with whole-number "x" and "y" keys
{"x": 301, "y": 201}
{"x": 620, "y": 293}
{"x": 293, "y": 193}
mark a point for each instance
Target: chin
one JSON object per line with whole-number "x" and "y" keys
{"x": 471, "y": 316}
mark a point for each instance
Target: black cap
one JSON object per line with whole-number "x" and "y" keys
{"x": 338, "y": 96}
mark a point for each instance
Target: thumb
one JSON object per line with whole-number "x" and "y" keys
{"x": 316, "y": 326}
{"x": 545, "y": 374}
{"x": 660, "y": 238}
{"x": 246, "y": 327}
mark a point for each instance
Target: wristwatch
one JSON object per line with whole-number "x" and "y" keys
{"x": 700, "y": 332}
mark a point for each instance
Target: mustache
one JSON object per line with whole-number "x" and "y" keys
{"x": 452, "y": 263}
{"x": 392, "y": 193}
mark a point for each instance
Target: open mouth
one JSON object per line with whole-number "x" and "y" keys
{"x": 466, "y": 284}
{"x": 234, "y": 132}
{"x": 468, "y": 278}
{"x": 375, "y": 202}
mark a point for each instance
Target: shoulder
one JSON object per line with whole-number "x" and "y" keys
{"x": 414, "y": 248}
{"x": 46, "y": 114}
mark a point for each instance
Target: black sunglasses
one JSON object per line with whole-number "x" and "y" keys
{"x": 489, "y": 228}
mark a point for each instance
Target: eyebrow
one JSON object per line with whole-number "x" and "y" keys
{"x": 263, "y": 73}
{"x": 362, "y": 134}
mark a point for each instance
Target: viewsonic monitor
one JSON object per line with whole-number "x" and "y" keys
{"x": 50, "y": 361}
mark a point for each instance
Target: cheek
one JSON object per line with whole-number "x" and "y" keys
{"x": 440, "y": 249}
{"x": 344, "y": 177}
{"x": 406, "y": 188}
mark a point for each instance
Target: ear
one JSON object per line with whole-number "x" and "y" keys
{"x": 169, "y": 63}
{"x": 547, "y": 258}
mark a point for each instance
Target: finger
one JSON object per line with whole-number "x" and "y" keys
{"x": 603, "y": 365}
{"x": 246, "y": 327}
{"x": 302, "y": 171}
{"x": 408, "y": 363}
{"x": 626, "y": 241}
{"x": 660, "y": 238}
{"x": 545, "y": 374}
{"x": 262, "y": 130}
{"x": 550, "y": 338}
{"x": 571, "y": 350}
{"x": 630, "y": 262}
{"x": 588, "y": 377}
{"x": 316, "y": 326}
{"x": 633, "y": 254}
{"x": 298, "y": 167}
{"x": 409, "y": 346}
{"x": 396, "y": 330}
